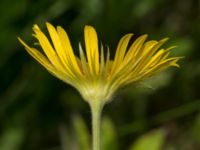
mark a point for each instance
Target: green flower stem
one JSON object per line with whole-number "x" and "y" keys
{"x": 96, "y": 109}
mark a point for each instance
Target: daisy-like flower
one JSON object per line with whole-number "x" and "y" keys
{"x": 94, "y": 74}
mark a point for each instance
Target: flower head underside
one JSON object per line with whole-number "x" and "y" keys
{"x": 94, "y": 74}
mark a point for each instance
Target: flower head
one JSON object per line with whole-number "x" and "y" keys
{"x": 94, "y": 74}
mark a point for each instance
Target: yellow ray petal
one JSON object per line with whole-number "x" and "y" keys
{"x": 68, "y": 51}
{"x": 146, "y": 57}
{"x": 49, "y": 51}
{"x": 131, "y": 59}
{"x": 91, "y": 44}
{"x": 120, "y": 52}
{"x": 161, "y": 55}
{"x": 148, "y": 46}
{"x": 135, "y": 48}
{"x": 154, "y": 60}
{"x": 45, "y": 62}
{"x": 162, "y": 65}
{"x": 60, "y": 51}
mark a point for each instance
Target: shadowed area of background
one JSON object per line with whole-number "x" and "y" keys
{"x": 39, "y": 112}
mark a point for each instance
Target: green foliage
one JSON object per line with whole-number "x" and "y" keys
{"x": 37, "y": 110}
{"x": 150, "y": 141}
{"x": 82, "y": 133}
{"x": 109, "y": 135}
{"x": 11, "y": 139}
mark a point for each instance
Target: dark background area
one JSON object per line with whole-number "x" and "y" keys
{"x": 39, "y": 112}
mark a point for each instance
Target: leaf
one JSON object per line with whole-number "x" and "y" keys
{"x": 11, "y": 139}
{"x": 65, "y": 137}
{"x": 151, "y": 141}
{"x": 109, "y": 135}
{"x": 195, "y": 129}
{"x": 82, "y": 133}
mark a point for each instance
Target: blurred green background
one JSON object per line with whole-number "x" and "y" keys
{"x": 39, "y": 112}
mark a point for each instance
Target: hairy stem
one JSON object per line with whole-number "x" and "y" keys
{"x": 96, "y": 109}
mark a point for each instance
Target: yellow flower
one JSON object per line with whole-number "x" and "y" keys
{"x": 94, "y": 75}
